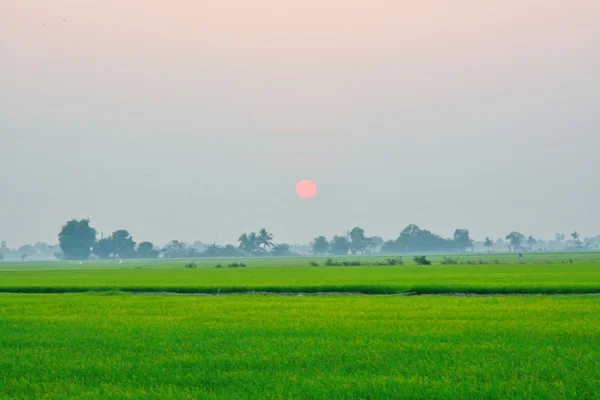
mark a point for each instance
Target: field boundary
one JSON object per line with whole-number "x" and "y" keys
{"x": 306, "y": 294}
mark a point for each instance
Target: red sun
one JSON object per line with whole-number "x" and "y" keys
{"x": 306, "y": 189}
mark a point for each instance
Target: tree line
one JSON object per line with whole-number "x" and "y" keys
{"x": 78, "y": 240}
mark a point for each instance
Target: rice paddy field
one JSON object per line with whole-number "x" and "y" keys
{"x": 70, "y": 331}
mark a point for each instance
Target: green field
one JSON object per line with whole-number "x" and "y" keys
{"x": 89, "y": 346}
{"x": 106, "y": 343}
{"x": 547, "y": 275}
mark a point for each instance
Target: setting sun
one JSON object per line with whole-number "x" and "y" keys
{"x": 306, "y": 189}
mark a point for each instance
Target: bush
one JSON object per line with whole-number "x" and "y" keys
{"x": 421, "y": 260}
{"x": 219, "y": 265}
{"x": 468, "y": 262}
{"x": 237, "y": 265}
{"x": 391, "y": 261}
{"x": 449, "y": 261}
{"x": 314, "y": 263}
{"x": 191, "y": 265}
{"x": 331, "y": 262}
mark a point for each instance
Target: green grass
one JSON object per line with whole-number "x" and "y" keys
{"x": 579, "y": 277}
{"x": 85, "y": 346}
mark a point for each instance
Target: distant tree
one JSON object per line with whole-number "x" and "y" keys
{"x": 23, "y": 257}
{"x": 264, "y": 240}
{"x": 248, "y": 243}
{"x": 516, "y": 240}
{"x": 575, "y": 236}
{"x": 376, "y": 244}
{"x": 146, "y": 250}
{"x": 124, "y": 243}
{"x": 390, "y": 246}
{"x": 488, "y": 243}
{"x": 462, "y": 239}
{"x": 105, "y": 248}
{"x": 175, "y": 249}
{"x": 560, "y": 237}
{"x": 280, "y": 250}
{"x": 1, "y": 256}
{"x": 3, "y": 245}
{"x": 340, "y": 245}
{"x": 320, "y": 245}
{"x": 358, "y": 241}
{"x": 76, "y": 239}
{"x": 531, "y": 242}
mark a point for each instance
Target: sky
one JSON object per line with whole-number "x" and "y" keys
{"x": 195, "y": 120}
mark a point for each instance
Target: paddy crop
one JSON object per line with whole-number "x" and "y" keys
{"x": 136, "y": 276}
{"x": 250, "y": 347}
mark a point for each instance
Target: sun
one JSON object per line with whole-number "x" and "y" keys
{"x": 306, "y": 189}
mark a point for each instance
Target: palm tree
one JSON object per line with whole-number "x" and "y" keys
{"x": 248, "y": 243}
{"x": 264, "y": 240}
{"x": 575, "y": 237}
{"x": 488, "y": 243}
{"x": 531, "y": 241}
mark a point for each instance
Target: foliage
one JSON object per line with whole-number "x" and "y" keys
{"x": 331, "y": 262}
{"x": 236, "y": 265}
{"x": 488, "y": 243}
{"x": 450, "y": 261}
{"x": 421, "y": 260}
{"x": 146, "y": 250}
{"x": 516, "y": 240}
{"x": 320, "y": 245}
{"x": 340, "y": 245}
{"x": 281, "y": 250}
{"x": 191, "y": 265}
{"x": 105, "y": 248}
{"x": 314, "y": 263}
{"x": 76, "y": 239}
{"x": 391, "y": 261}
{"x": 462, "y": 239}
{"x": 358, "y": 241}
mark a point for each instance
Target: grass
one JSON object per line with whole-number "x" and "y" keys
{"x": 577, "y": 278}
{"x": 87, "y": 346}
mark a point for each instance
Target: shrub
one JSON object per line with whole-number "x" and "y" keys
{"x": 449, "y": 261}
{"x": 314, "y": 263}
{"x": 219, "y": 265}
{"x": 237, "y": 265}
{"x": 468, "y": 262}
{"x": 391, "y": 261}
{"x": 331, "y": 262}
{"x": 191, "y": 265}
{"x": 421, "y": 260}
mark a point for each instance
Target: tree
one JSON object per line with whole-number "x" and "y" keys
{"x": 264, "y": 240}
{"x": 76, "y": 239}
{"x": 1, "y": 256}
{"x": 531, "y": 241}
{"x": 176, "y": 249}
{"x": 340, "y": 245}
{"x": 575, "y": 236}
{"x": 560, "y": 237}
{"x": 515, "y": 239}
{"x": 320, "y": 245}
{"x": 358, "y": 241}
{"x": 462, "y": 239}
{"x": 376, "y": 244}
{"x": 105, "y": 248}
{"x": 3, "y": 245}
{"x": 248, "y": 243}
{"x": 488, "y": 243}
{"x": 146, "y": 250}
{"x": 124, "y": 244}
{"x": 281, "y": 250}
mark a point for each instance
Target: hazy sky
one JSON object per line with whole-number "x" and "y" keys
{"x": 193, "y": 120}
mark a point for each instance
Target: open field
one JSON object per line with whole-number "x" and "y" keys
{"x": 104, "y": 346}
{"x": 296, "y": 275}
